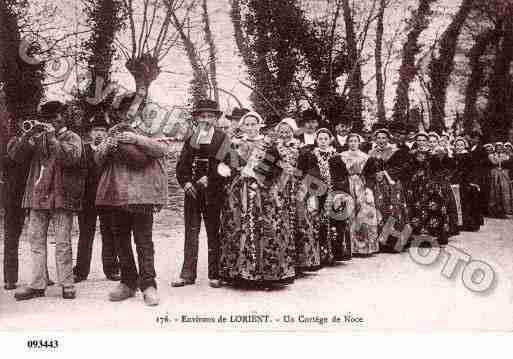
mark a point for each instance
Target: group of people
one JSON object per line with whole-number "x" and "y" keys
{"x": 115, "y": 173}
{"x": 277, "y": 201}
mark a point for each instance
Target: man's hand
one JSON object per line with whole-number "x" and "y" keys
{"x": 50, "y": 131}
{"x": 111, "y": 143}
{"x": 127, "y": 137}
{"x": 190, "y": 190}
{"x": 203, "y": 181}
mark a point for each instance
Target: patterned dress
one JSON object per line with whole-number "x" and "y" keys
{"x": 427, "y": 201}
{"x": 287, "y": 188}
{"x": 441, "y": 168}
{"x": 254, "y": 249}
{"x": 500, "y": 188}
{"x": 389, "y": 192}
{"x": 365, "y": 217}
{"x": 314, "y": 237}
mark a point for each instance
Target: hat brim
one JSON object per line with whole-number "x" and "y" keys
{"x": 211, "y": 110}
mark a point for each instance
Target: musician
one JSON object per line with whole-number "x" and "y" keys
{"x": 196, "y": 172}
{"x": 54, "y": 191}
{"x": 133, "y": 186}
{"x": 96, "y": 133}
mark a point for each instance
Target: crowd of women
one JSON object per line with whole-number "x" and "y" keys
{"x": 277, "y": 200}
{"x": 295, "y": 204}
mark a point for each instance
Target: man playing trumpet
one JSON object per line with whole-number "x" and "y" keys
{"x": 54, "y": 191}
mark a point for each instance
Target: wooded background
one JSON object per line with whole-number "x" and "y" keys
{"x": 437, "y": 65}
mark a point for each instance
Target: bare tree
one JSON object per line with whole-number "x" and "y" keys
{"x": 483, "y": 41}
{"x": 441, "y": 66}
{"x": 151, "y": 38}
{"x": 378, "y": 55}
{"x": 355, "y": 76}
{"x": 212, "y": 58}
{"x": 106, "y": 18}
{"x": 22, "y": 80}
{"x": 499, "y": 109}
{"x": 417, "y": 24}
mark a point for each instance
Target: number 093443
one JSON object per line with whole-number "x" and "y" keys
{"x": 42, "y": 344}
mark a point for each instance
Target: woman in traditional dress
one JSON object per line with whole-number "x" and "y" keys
{"x": 253, "y": 249}
{"x": 386, "y": 175}
{"x": 441, "y": 168}
{"x": 471, "y": 216}
{"x": 286, "y": 190}
{"x": 314, "y": 229}
{"x": 364, "y": 219}
{"x": 425, "y": 198}
{"x": 500, "y": 182}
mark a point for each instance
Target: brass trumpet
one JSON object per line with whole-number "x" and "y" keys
{"x": 28, "y": 125}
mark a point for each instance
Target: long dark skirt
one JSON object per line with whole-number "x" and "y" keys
{"x": 309, "y": 228}
{"x": 428, "y": 212}
{"x": 338, "y": 232}
{"x": 452, "y": 208}
{"x": 471, "y": 207}
{"x": 253, "y": 249}
{"x": 391, "y": 203}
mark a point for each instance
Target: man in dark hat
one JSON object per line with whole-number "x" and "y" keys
{"x": 309, "y": 124}
{"x": 133, "y": 186}
{"x": 196, "y": 172}
{"x": 54, "y": 190}
{"x": 96, "y": 133}
{"x": 14, "y": 177}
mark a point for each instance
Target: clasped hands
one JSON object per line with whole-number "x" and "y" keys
{"x": 191, "y": 191}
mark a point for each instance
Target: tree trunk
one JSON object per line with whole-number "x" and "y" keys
{"x": 22, "y": 81}
{"x": 145, "y": 70}
{"x": 378, "y": 52}
{"x": 211, "y": 50}
{"x": 440, "y": 68}
{"x": 418, "y": 23}
{"x": 355, "y": 76}
{"x": 106, "y": 19}
{"x": 499, "y": 109}
{"x": 476, "y": 79}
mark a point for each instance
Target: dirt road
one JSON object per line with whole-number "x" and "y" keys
{"x": 385, "y": 291}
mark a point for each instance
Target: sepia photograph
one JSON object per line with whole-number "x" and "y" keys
{"x": 244, "y": 166}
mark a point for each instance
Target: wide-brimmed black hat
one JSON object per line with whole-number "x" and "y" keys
{"x": 237, "y": 113}
{"x": 309, "y": 115}
{"x": 52, "y": 108}
{"x": 206, "y": 106}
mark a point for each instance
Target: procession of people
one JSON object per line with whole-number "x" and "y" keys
{"x": 278, "y": 199}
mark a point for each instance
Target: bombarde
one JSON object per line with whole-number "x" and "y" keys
{"x": 28, "y": 125}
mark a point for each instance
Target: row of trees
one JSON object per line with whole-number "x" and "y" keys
{"x": 298, "y": 54}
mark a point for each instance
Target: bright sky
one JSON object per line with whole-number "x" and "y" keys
{"x": 171, "y": 87}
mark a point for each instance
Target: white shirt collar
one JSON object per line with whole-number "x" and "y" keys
{"x": 309, "y": 138}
